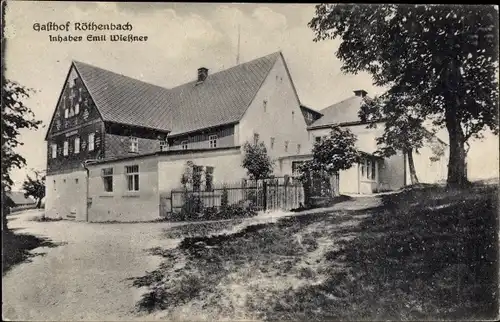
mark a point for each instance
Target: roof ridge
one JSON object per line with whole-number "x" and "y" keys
{"x": 231, "y": 68}
{"x": 339, "y": 102}
{"x": 75, "y": 62}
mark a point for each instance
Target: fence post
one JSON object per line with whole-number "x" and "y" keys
{"x": 286, "y": 195}
{"x": 264, "y": 194}
{"x": 172, "y": 202}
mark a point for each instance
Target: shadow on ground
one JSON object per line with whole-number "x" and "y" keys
{"x": 16, "y": 248}
{"x": 426, "y": 253}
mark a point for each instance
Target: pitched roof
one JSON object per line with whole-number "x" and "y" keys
{"x": 221, "y": 99}
{"x": 345, "y": 111}
{"x": 126, "y": 100}
{"x": 18, "y": 198}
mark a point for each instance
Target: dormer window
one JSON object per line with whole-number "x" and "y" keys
{"x": 134, "y": 144}
{"x": 212, "y": 141}
{"x": 163, "y": 145}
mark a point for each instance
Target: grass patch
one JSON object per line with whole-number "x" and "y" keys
{"x": 427, "y": 253}
{"x": 200, "y": 229}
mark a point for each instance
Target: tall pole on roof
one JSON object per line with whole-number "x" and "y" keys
{"x": 238, "y": 52}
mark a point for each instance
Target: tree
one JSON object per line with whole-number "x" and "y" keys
{"x": 35, "y": 187}
{"x": 16, "y": 116}
{"x": 256, "y": 161}
{"x": 443, "y": 59}
{"x": 333, "y": 153}
{"x": 403, "y": 129}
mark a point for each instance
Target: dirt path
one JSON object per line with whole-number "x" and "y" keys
{"x": 85, "y": 278}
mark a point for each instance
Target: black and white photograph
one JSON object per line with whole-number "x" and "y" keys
{"x": 249, "y": 161}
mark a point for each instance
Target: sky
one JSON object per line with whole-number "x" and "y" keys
{"x": 181, "y": 38}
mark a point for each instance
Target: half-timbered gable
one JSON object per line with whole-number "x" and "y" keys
{"x": 76, "y": 130}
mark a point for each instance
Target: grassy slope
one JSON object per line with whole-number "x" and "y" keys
{"x": 426, "y": 254}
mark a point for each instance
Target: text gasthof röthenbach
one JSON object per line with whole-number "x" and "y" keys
{"x": 94, "y": 32}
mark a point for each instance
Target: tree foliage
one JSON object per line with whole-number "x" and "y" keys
{"x": 335, "y": 152}
{"x": 16, "y": 116}
{"x": 256, "y": 161}
{"x": 35, "y": 187}
{"x": 441, "y": 58}
{"x": 403, "y": 128}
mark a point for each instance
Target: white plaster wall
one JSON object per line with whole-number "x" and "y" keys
{"x": 277, "y": 119}
{"x": 66, "y": 195}
{"x": 226, "y": 163}
{"x": 121, "y": 204}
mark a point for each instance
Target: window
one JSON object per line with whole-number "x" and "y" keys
{"x": 255, "y": 138}
{"x": 209, "y": 178}
{"x": 184, "y": 144}
{"x": 212, "y": 141}
{"x": 134, "y": 144}
{"x": 77, "y": 145}
{"x": 163, "y": 145}
{"x": 54, "y": 151}
{"x": 197, "y": 170}
{"x": 65, "y": 148}
{"x": 369, "y": 169}
{"x": 77, "y": 108}
{"x": 295, "y": 167}
{"x": 286, "y": 146}
{"x": 91, "y": 141}
{"x": 107, "y": 179}
{"x": 298, "y": 148}
{"x": 66, "y": 113}
{"x": 317, "y": 139}
{"x": 272, "y": 143}
{"x": 132, "y": 172}
{"x": 265, "y": 105}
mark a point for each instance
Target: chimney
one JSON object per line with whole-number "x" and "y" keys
{"x": 360, "y": 93}
{"x": 202, "y": 74}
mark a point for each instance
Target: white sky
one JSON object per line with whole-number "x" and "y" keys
{"x": 181, "y": 38}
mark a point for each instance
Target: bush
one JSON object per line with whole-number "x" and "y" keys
{"x": 192, "y": 207}
{"x": 236, "y": 211}
{"x": 224, "y": 198}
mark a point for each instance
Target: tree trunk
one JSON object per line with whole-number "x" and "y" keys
{"x": 39, "y": 203}
{"x": 457, "y": 175}
{"x": 5, "y": 211}
{"x": 411, "y": 164}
